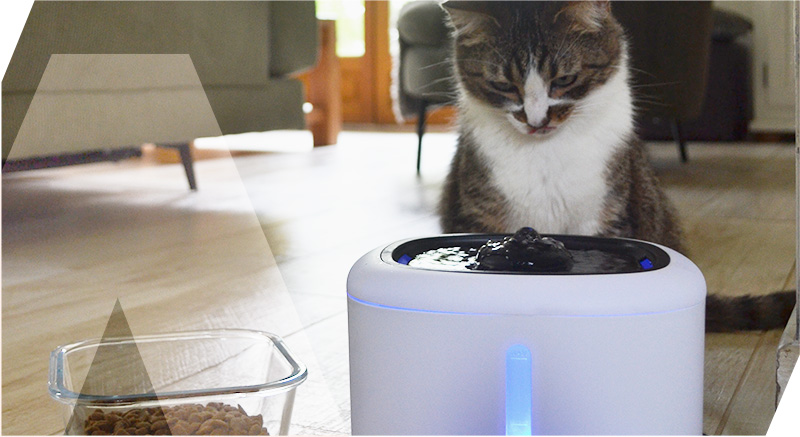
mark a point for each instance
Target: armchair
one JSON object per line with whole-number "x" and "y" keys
{"x": 243, "y": 54}
{"x": 425, "y": 76}
{"x": 669, "y": 52}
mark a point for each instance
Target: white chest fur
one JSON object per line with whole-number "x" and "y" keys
{"x": 555, "y": 183}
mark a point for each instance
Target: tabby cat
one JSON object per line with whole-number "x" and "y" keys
{"x": 546, "y": 137}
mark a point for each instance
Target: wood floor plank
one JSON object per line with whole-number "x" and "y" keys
{"x": 332, "y": 357}
{"x": 742, "y": 256}
{"x": 731, "y": 181}
{"x": 199, "y": 268}
{"x": 726, "y": 358}
{"x": 316, "y": 408}
{"x": 754, "y": 403}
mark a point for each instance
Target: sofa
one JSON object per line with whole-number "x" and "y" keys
{"x": 92, "y": 81}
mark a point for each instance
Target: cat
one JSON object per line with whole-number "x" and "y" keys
{"x": 547, "y": 137}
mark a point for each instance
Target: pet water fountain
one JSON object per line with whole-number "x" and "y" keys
{"x": 451, "y": 335}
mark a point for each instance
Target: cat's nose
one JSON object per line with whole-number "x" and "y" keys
{"x": 540, "y": 124}
{"x": 522, "y": 116}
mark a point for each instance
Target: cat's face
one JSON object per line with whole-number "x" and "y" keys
{"x": 534, "y": 61}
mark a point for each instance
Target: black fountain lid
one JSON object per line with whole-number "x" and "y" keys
{"x": 476, "y": 253}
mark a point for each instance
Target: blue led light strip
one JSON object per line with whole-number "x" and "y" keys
{"x": 417, "y": 310}
{"x": 519, "y": 391}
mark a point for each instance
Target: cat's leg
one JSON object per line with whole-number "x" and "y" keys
{"x": 470, "y": 202}
{"x": 453, "y": 217}
{"x": 468, "y": 208}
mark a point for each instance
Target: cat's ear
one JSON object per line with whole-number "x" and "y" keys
{"x": 589, "y": 15}
{"x": 481, "y": 7}
{"x": 470, "y": 20}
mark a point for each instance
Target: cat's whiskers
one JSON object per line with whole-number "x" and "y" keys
{"x": 640, "y": 97}
{"x": 582, "y": 109}
{"x": 497, "y": 52}
{"x": 436, "y": 64}
{"x": 639, "y": 70}
{"x": 653, "y": 85}
{"x": 650, "y": 100}
{"x": 561, "y": 47}
{"x": 438, "y": 81}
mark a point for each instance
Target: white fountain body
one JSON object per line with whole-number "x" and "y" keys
{"x": 468, "y": 352}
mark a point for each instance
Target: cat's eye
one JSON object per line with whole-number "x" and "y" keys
{"x": 564, "y": 81}
{"x": 503, "y": 87}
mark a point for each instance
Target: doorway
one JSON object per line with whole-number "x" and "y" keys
{"x": 366, "y": 46}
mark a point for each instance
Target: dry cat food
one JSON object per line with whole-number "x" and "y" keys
{"x": 191, "y": 419}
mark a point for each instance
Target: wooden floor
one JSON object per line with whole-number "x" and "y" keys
{"x": 76, "y": 239}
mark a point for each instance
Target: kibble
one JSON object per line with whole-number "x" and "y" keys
{"x": 191, "y": 419}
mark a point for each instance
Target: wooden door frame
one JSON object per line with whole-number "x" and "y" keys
{"x": 376, "y": 30}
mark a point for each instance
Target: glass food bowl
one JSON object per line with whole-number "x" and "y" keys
{"x": 223, "y": 382}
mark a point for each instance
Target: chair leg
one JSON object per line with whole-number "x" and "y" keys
{"x": 423, "y": 106}
{"x": 188, "y": 165}
{"x": 677, "y": 134}
{"x": 186, "y": 158}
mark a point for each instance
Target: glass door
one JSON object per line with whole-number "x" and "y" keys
{"x": 366, "y": 47}
{"x": 356, "y": 49}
